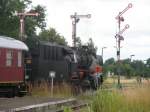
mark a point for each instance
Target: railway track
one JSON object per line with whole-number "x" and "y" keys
{"x": 75, "y": 107}
{"x": 54, "y": 106}
{"x": 42, "y": 107}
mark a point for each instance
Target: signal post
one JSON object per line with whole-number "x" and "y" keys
{"x": 75, "y": 19}
{"x": 119, "y": 37}
{"x": 22, "y": 16}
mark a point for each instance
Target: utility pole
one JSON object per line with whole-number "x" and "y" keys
{"x": 22, "y": 16}
{"x": 75, "y": 19}
{"x": 119, "y": 36}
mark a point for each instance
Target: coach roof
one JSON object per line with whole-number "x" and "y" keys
{"x": 7, "y": 42}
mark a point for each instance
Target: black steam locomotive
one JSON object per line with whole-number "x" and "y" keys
{"x": 77, "y": 66}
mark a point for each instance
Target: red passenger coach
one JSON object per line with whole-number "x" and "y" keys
{"x": 11, "y": 66}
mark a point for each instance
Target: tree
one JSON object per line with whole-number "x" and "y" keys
{"x": 148, "y": 62}
{"x": 109, "y": 61}
{"x": 138, "y": 67}
{"x": 126, "y": 61}
{"x": 52, "y": 36}
{"x": 9, "y": 24}
{"x": 110, "y": 65}
{"x": 32, "y": 23}
{"x": 92, "y": 48}
{"x": 128, "y": 71}
{"x": 78, "y": 42}
{"x": 147, "y": 68}
{"x": 128, "y": 68}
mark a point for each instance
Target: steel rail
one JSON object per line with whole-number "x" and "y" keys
{"x": 75, "y": 107}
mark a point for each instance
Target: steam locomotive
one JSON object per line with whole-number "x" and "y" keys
{"x": 79, "y": 66}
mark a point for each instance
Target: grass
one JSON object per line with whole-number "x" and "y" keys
{"x": 44, "y": 90}
{"x": 112, "y": 82}
{"x": 67, "y": 109}
{"x": 124, "y": 80}
{"x": 135, "y": 99}
{"x": 138, "y": 99}
{"x": 128, "y": 100}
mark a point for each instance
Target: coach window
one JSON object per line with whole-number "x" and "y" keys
{"x": 19, "y": 59}
{"x": 9, "y": 58}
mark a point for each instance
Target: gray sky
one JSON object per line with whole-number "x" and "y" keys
{"x": 102, "y": 26}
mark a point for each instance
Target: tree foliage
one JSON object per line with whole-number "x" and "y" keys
{"x": 32, "y": 23}
{"x": 9, "y": 25}
{"x": 128, "y": 68}
{"x": 91, "y": 46}
{"x": 78, "y": 42}
{"x": 109, "y": 65}
{"x": 147, "y": 68}
{"x": 92, "y": 49}
{"x": 110, "y": 61}
{"x": 52, "y": 36}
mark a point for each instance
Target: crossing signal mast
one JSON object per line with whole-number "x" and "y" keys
{"x": 119, "y": 36}
{"x": 75, "y": 19}
{"x": 22, "y": 16}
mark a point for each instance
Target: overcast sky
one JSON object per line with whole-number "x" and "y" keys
{"x": 102, "y": 26}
